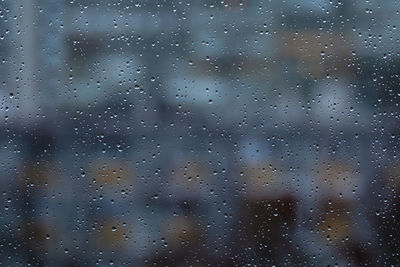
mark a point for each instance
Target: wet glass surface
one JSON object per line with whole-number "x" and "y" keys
{"x": 199, "y": 133}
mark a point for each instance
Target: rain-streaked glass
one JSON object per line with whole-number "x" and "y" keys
{"x": 199, "y": 133}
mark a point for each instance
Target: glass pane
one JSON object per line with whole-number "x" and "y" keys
{"x": 199, "y": 133}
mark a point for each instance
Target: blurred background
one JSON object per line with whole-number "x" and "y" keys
{"x": 199, "y": 133}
